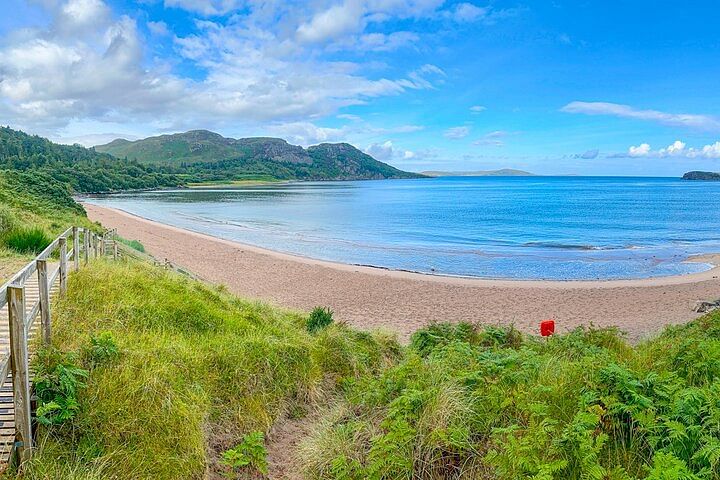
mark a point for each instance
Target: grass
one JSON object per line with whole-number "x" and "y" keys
{"x": 184, "y": 379}
{"x": 26, "y": 240}
{"x": 134, "y": 244}
{"x": 194, "y": 371}
{"x": 475, "y": 402}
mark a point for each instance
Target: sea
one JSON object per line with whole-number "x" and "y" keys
{"x": 542, "y": 228}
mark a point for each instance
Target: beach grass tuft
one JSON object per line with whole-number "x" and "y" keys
{"x": 31, "y": 240}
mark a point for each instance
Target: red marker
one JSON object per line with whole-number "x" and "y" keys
{"x": 547, "y": 328}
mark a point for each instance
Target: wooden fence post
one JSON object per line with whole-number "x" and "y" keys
{"x": 63, "y": 272}
{"x": 115, "y": 250}
{"x": 44, "y": 285}
{"x": 86, "y": 245}
{"x": 96, "y": 244}
{"x": 19, "y": 369}
{"x": 76, "y": 248}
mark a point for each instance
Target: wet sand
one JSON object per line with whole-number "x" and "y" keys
{"x": 402, "y": 302}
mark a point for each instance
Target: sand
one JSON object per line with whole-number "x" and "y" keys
{"x": 402, "y": 302}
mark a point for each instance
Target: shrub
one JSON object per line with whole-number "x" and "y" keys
{"x": 102, "y": 349}
{"x": 27, "y": 240}
{"x": 319, "y": 319}
{"x": 57, "y": 381}
{"x": 250, "y": 452}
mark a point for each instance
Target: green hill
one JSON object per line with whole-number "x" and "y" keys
{"x": 206, "y": 154}
{"x": 81, "y": 169}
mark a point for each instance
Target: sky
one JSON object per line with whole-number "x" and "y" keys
{"x": 554, "y": 87}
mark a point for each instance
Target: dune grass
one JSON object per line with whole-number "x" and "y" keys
{"x": 196, "y": 371}
{"x": 469, "y": 402}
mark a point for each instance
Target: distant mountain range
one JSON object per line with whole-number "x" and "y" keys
{"x": 504, "y": 172}
{"x": 696, "y": 175}
{"x": 201, "y": 151}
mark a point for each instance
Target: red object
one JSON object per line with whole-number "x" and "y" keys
{"x": 547, "y": 328}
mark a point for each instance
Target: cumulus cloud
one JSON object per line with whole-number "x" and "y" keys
{"x": 694, "y": 121}
{"x": 477, "y": 108}
{"x": 677, "y": 149}
{"x": 254, "y": 71}
{"x": 386, "y": 152}
{"x": 456, "y": 133}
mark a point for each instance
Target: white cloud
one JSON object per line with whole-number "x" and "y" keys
{"x": 334, "y": 22}
{"x": 159, "y": 28}
{"x": 456, "y": 133}
{"x": 699, "y": 122}
{"x": 206, "y": 7}
{"x": 677, "y": 149}
{"x": 467, "y": 12}
{"x": 642, "y": 150}
{"x": 493, "y": 139}
{"x": 386, "y": 152}
{"x": 477, "y": 108}
{"x": 254, "y": 70}
{"x": 77, "y": 16}
{"x": 305, "y": 133}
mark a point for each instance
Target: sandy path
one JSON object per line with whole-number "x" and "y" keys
{"x": 402, "y": 302}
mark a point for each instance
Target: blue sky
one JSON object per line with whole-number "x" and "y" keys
{"x": 584, "y": 87}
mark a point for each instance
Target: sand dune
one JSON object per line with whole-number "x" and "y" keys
{"x": 402, "y": 302}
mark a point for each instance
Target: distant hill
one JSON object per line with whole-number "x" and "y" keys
{"x": 696, "y": 175}
{"x": 201, "y": 151}
{"x": 504, "y": 172}
{"x": 78, "y": 169}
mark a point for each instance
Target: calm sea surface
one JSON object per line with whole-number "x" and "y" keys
{"x": 493, "y": 227}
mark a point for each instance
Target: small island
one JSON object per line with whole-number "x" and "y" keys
{"x": 703, "y": 176}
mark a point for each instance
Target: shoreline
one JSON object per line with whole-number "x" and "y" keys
{"x": 401, "y": 302}
{"x": 711, "y": 259}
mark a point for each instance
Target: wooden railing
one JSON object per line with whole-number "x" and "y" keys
{"x": 43, "y": 276}
{"x": 26, "y": 296}
{"x": 46, "y": 274}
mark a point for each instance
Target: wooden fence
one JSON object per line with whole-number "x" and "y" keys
{"x": 24, "y": 298}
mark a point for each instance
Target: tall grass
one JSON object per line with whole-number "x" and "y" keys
{"x": 31, "y": 240}
{"x": 194, "y": 371}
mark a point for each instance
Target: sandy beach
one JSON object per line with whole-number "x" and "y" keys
{"x": 402, "y": 302}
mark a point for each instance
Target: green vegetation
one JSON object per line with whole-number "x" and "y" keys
{"x": 319, "y": 318}
{"x": 469, "y": 402}
{"x": 34, "y": 209}
{"x": 208, "y": 157}
{"x": 135, "y": 244}
{"x": 191, "y": 372}
{"x": 251, "y": 452}
{"x": 76, "y": 168}
{"x": 26, "y": 240}
{"x": 168, "y": 377}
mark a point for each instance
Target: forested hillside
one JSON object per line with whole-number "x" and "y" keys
{"x": 80, "y": 169}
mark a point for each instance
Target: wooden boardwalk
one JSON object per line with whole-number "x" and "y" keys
{"x": 7, "y": 407}
{"x": 25, "y": 313}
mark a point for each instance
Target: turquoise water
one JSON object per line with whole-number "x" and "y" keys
{"x": 492, "y": 227}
